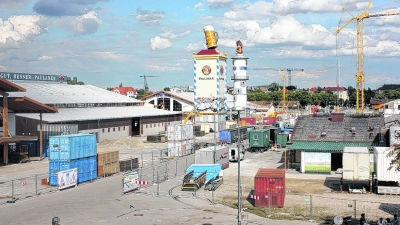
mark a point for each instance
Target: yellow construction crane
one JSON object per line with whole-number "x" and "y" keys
{"x": 299, "y": 74}
{"x": 360, "y": 50}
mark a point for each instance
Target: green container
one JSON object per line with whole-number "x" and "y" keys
{"x": 282, "y": 139}
{"x": 259, "y": 140}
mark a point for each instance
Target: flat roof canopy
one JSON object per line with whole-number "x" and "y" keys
{"x": 27, "y": 105}
{"x": 8, "y": 86}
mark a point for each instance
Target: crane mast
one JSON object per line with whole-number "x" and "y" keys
{"x": 360, "y": 51}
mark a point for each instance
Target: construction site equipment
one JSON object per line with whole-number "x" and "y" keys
{"x": 289, "y": 70}
{"x": 213, "y": 184}
{"x": 192, "y": 183}
{"x": 300, "y": 74}
{"x": 360, "y": 50}
{"x": 191, "y": 113}
{"x": 18, "y": 154}
{"x": 146, "y": 87}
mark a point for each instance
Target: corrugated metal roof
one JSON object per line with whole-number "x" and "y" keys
{"x": 61, "y": 93}
{"x": 96, "y": 113}
{"x": 327, "y": 146}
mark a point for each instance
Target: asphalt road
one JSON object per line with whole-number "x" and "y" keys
{"x": 101, "y": 202}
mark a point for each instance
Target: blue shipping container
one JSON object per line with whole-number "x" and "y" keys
{"x": 213, "y": 170}
{"x": 74, "y": 146}
{"x": 87, "y": 169}
{"x": 46, "y": 150}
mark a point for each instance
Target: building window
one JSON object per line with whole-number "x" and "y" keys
{"x": 119, "y": 128}
{"x": 103, "y": 130}
{"x": 150, "y": 125}
{"x": 177, "y": 106}
{"x": 146, "y": 125}
{"x": 386, "y": 106}
{"x": 108, "y": 130}
{"x": 398, "y": 107}
{"x": 124, "y": 128}
{"x": 114, "y": 129}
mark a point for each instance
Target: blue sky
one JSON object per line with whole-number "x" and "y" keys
{"x": 106, "y": 42}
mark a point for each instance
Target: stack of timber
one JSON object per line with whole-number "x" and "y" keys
{"x": 107, "y": 163}
{"x": 200, "y": 133}
{"x": 128, "y": 164}
{"x": 157, "y": 138}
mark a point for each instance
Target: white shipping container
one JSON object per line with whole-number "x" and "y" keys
{"x": 383, "y": 169}
{"x": 355, "y": 163}
{"x": 180, "y": 132}
{"x": 206, "y": 156}
{"x": 180, "y": 148}
{"x": 394, "y": 135}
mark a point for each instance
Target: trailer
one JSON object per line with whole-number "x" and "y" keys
{"x": 386, "y": 177}
{"x": 234, "y": 154}
{"x": 213, "y": 155}
{"x": 192, "y": 183}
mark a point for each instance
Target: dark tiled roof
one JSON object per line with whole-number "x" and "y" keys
{"x": 320, "y": 128}
{"x": 376, "y": 101}
{"x": 333, "y": 89}
{"x": 327, "y": 146}
{"x": 388, "y": 87}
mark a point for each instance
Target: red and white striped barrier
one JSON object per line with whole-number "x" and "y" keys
{"x": 142, "y": 182}
{"x": 255, "y": 197}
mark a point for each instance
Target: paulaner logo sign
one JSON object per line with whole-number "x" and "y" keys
{"x": 31, "y": 77}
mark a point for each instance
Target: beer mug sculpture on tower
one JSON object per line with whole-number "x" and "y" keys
{"x": 211, "y": 37}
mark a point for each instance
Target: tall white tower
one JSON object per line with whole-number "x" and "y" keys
{"x": 239, "y": 79}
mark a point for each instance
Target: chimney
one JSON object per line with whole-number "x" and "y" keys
{"x": 337, "y": 117}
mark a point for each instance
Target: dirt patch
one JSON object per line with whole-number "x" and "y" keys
{"x": 307, "y": 196}
{"x": 128, "y": 143}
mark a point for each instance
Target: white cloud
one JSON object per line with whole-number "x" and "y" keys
{"x": 18, "y": 30}
{"x": 219, "y": 3}
{"x": 306, "y": 6}
{"x": 3, "y": 68}
{"x": 162, "y": 68}
{"x": 194, "y": 47}
{"x": 45, "y": 58}
{"x": 293, "y": 32}
{"x": 158, "y": 43}
{"x": 150, "y": 17}
{"x": 87, "y": 23}
{"x": 169, "y": 34}
{"x": 109, "y": 55}
{"x": 198, "y": 6}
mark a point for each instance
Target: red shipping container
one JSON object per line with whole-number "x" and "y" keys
{"x": 269, "y": 120}
{"x": 269, "y": 185}
{"x": 249, "y": 120}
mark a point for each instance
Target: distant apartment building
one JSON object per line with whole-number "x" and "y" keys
{"x": 127, "y": 91}
{"x": 340, "y": 91}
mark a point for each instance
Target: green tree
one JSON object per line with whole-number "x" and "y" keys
{"x": 109, "y": 88}
{"x": 274, "y": 87}
{"x": 167, "y": 89}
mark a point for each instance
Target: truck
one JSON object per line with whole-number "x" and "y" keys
{"x": 386, "y": 179}
{"x": 234, "y": 151}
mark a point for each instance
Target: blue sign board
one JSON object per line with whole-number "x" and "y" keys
{"x": 32, "y": 77}
{"x": 162, "y": 95}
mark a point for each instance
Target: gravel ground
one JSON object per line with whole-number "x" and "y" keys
{"x": 327, "y": 200}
